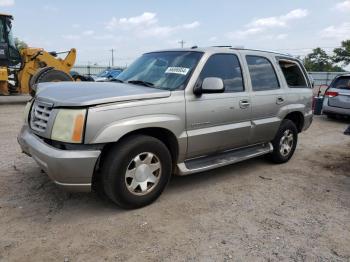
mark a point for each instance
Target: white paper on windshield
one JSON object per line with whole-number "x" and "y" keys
{"x": 177, "y": 70}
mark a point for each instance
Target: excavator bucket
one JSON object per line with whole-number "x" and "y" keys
{"x": 29, "y": 66}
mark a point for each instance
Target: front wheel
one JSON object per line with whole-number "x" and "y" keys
{"x": 285, "y": 142}
{"x": 136, "y": 171}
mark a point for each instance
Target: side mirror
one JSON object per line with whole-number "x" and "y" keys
{"x": 210, "y": 85}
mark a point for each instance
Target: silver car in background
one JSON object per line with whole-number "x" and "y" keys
{"x": 337, "y": 97}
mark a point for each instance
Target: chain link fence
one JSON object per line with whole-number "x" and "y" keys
{"x": 322, "y": 80}
{"x": 91, "y": 70}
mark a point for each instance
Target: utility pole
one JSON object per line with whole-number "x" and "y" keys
{"x": 112, "y": 50}
{"x": 89, "y": 68}
{"x": 182, "y": 42}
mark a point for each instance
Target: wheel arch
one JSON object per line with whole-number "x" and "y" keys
{"x": 164, "y": 135}
{"x": 297, "y": 118}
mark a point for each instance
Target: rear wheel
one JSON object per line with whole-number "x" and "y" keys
{"x": 285, "y": 142}
{"x": 136, "y": 171}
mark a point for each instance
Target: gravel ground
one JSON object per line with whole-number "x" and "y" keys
{"x": 251, "y": 211}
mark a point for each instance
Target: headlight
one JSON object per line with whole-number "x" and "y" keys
{"x": 69, "y": 125}
{"x": 26, "y": 111}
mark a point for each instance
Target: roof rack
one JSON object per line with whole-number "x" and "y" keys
{"x": 259, "y": 50}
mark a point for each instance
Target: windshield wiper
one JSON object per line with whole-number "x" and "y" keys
{"x": 116, "y": 80}
{"x": 140, "y": 82}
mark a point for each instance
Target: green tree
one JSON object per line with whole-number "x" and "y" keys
{"x": 342, "y": 54}
{"x": 20, "y": 44}
{"x": 319, "y": 61}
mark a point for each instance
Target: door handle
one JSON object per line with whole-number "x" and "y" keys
{"x": 244, "y": 103}
{"x": 280, "y": 100}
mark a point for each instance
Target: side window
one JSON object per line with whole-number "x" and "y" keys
{"x": 226, "y": 67}
{"x": 262, "y": 73}
{"x": 293, "y": 74}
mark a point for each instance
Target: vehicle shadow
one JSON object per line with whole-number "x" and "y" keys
{"x": 336, "y": 119}
{"x": 229, "y": 172}
{"x": 55, "y": 200}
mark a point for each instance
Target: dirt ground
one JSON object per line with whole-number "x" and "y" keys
{"x": 251, "y": 211}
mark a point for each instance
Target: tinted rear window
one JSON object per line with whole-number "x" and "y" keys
{"x": 293, "y": 74}
{"x": 262, "y": 73}
{"x": 342, "y": 83}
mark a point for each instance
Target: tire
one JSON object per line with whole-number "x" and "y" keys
{"x": 33, "y": 80}
{"x": 53, "y": 76}
{"x": 285, "y": 142}
{"x": 127, "y": 171}
{"x": 47, "y": 74}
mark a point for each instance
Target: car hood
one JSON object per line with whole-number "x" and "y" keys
{"x": 91, "y": 93}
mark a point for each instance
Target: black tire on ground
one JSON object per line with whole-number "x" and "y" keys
{"x": 119, "y": 160}
{"x": 33, "y": 80}
{"x": 53, "y": 76}
{"x": 287, "y": 131}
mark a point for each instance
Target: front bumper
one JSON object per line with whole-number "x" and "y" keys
{"x": 70, "y": 169}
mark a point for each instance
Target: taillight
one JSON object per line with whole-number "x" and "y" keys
{"x": 331, "y": 94}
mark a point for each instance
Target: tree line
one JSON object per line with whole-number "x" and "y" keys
{"x": 319, "y": 61}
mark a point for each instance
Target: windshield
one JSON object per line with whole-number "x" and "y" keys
{"x": 342, "y": 83}
{"x": 103, "y": 73}
{"x": 10, "y": 36}
{"x": 115, "y": 73}
{"x": 166, "y": 70}
{"x": 109, "y": 73}
{"x": 14, "y": 55}
{"x": 2, "y": 31}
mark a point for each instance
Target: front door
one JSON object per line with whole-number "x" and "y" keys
{"x": 219, "y": 121}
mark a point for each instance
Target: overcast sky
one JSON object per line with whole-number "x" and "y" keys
{"x": 132, "y": 27}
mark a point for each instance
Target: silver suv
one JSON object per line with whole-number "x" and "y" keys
{"x": 177, "y": 112}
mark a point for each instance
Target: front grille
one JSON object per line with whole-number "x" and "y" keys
{"x": 40, "y": 116}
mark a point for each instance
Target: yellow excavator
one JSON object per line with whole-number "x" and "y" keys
{"x": 21, "y": 70}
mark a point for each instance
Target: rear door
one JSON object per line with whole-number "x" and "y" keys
{"x": 267, "y": 96}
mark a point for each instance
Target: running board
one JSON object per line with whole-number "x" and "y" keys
{"x": 205, "y": 163}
